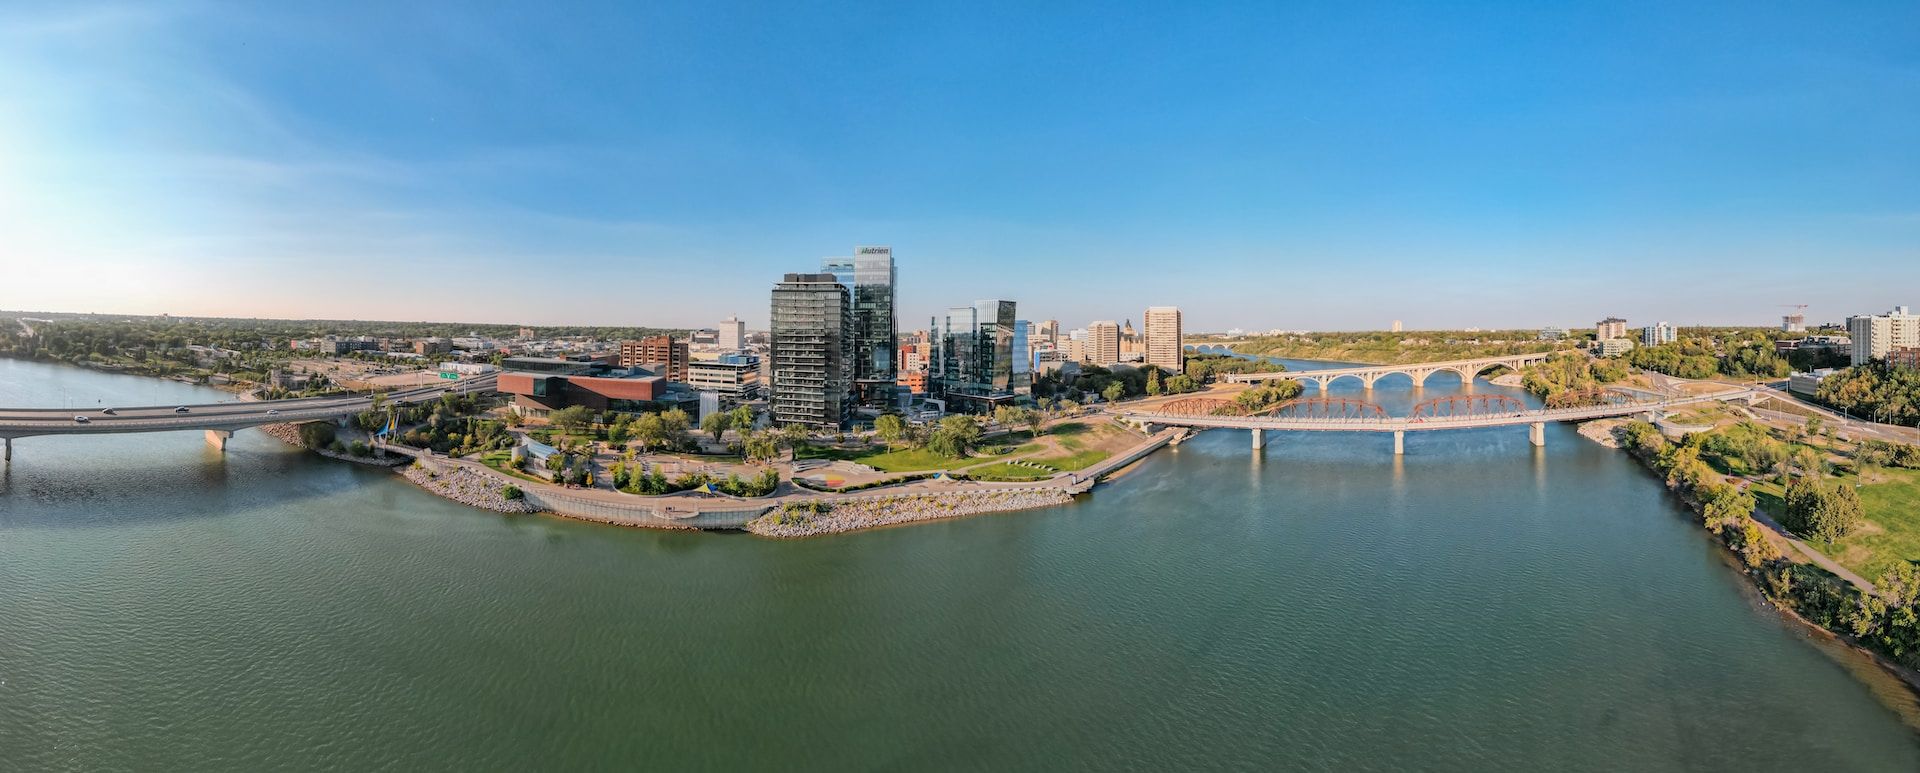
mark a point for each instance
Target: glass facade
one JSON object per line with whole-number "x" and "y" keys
{"x": 812, "y": 351}
{"x": 979, "y": 353}
{"x": 869, "y": 278}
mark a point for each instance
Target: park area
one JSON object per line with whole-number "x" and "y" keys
{"x": 1012, "y": 456}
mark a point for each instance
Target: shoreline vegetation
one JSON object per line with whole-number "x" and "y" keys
{"x": 1877, "y": 619}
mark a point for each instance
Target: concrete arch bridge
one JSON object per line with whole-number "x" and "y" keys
{"x": 1467, "y": 370}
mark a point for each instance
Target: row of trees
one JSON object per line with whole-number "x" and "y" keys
{"x": 1739, "y": 354}
{"x": 1567, "y": 380}
{"x": 1876, "y": 391}
{"x": 1822, "y": 509}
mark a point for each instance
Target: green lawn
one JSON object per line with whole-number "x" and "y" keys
{"x": 1078, "y": 460}
{"x": 1892, "y": 535}
{"x": 1004, "y": 471}
{"x": 499, "y": 459}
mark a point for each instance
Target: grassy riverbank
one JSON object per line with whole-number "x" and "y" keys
{"x": 1716, "y": 474}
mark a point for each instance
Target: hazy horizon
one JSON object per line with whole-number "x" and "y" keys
{"x": 1259, "y": 167}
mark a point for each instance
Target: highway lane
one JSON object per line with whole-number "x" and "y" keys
{"x": 210, "y": 415}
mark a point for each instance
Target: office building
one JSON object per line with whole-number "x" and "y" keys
{"x": 869, "y": 277}
{"x": 735, "y": 377}
{"x": 1020, "y": 357}
{"x": 1103, "y": 342}
{"x": 1877, "y": 335}
{"x": 661, "y": 354}
{"x": 811, "y": 353}
{"x": 732, "y": 335}
{"x": 1163, "y": 346}
{"x": 1657, "y": 334}
{"x": 1610, "y": 328}
{"x": 974, "y": 362}
{"x": 1047, "y": 333}
{"x": 1395, "y": 328}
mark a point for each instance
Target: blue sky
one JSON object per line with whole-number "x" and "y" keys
{"x": 1328, "y": 166}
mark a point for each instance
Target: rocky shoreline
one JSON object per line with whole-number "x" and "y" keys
{"x": 794, "y": 520}
{"x": 467, "y": 488}
{"x": 290, "y": 434}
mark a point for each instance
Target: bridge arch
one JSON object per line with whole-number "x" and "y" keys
{"x": 1466, "y": 406}
{"x": 1326, "y": 408}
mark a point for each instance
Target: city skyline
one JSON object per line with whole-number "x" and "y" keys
{"x": 1449, "y": 168}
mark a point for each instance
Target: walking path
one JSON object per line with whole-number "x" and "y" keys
{"x": 1818, "y": 558}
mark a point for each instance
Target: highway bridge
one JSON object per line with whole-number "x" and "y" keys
{"x": 1418, "y": 372}
{"x": 218, "y": 420}
{"x": 1334, "y": 414}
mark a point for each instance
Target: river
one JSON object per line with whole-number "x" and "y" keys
{"x": 1478, "y": 604}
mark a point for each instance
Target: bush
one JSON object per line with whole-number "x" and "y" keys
{"x": 511, "y": 492}
{"x": 316, "y": 434}
{"x": 358, "y": 448}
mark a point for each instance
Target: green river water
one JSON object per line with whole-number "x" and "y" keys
{"x": 1479, "y": 604}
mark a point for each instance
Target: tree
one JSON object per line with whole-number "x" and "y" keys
{"x": 649, "y": 431}
{"x": 1153, "y": 382}
{"x": 572, "y": 419}
{"x": 760, "y": 446}
{"x": 889, "y": 428}
{"x": 675, "y": 422}
{"x": 1006, "y": 415}
{"x": 954, "y": 436}
{"x": 741, "y": 417}
{"x": 316, "y": 434}
{"x": 795, "y": 434}
{"x": 1114, "y": 392}
{"x": 1821, "y": 510}
{"x": 1036, "y": 422}
{"x": 716, "y": 424}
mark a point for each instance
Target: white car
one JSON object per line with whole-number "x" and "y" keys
{"x": 80, "y": 419}
{"x": 273, "y": 411}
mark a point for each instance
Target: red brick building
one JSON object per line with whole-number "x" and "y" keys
{"x": 661, "y": 350}
{"x": 537, "y": 393}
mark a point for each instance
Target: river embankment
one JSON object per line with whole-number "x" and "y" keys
{"x": 1774, "y": 579}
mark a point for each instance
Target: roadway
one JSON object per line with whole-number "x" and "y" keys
{"x": 28, "y": 422}
{"x": 1407, "y": 424}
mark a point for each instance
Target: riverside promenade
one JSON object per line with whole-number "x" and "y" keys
{"x": 882, "y": 506}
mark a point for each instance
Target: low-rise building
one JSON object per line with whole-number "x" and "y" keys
{"x": 1552, "y": 333}
{"x": 1613, "y": 347}
{"x": 734, "y": 377}
{"x": 1905, "y": 357}
{"x": 537, "y": 394}
{"x": 1807, "y": 383}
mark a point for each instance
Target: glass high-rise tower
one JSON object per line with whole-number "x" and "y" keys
{"x": 811, "y": 353}
{"x": 869, "y": 279}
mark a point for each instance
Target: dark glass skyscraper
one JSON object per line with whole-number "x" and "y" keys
{"x": 869, "y": 278}
{"x": 973, "y": 365}
{"x": 812, "y": 351}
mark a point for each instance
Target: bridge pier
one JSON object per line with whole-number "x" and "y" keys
{"x": 218, "y": 439}
{"x": 1537, "y": 433}
{"x": 1399, "y": 442}
{"x": 9, "y": 449}
{"x": 1259, "y": 439}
